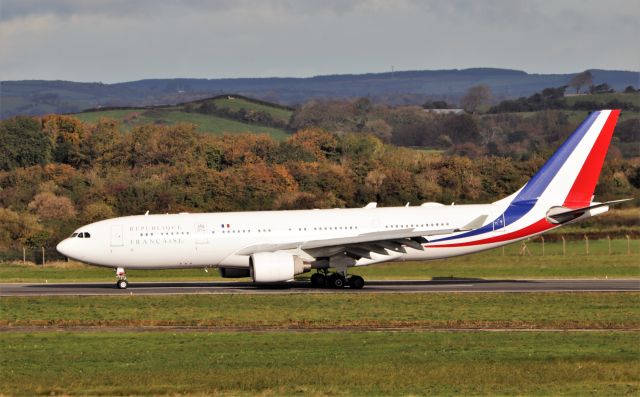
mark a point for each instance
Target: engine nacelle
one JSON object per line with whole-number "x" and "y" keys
{"x": 270, "y": 267}
{"x": 234, "y": 272}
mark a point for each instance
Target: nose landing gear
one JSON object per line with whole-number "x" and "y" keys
{"x": 122, "y": 282}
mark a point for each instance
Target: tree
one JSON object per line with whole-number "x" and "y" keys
{"x": 436, "y": 105}
{"x": 51, "y": 207}
{"x": 70, "y": 139}
{"x": 476, "y": 96}
{"x": 603, "y": 88}
{"x": 96, "y": 212}
{"x": 379, "y": 128}
{"x": 17, "y": 228}
{"x": 22, "y": 143}
{"x": 584, "y": 79}
{"x": 104, "y": 143}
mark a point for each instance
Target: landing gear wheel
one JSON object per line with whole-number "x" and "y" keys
{"x": 336, "y": 281}
{"x": 318, "y": 280}
{"x": 356, "y": 282}
{"x": 122, "y": 284}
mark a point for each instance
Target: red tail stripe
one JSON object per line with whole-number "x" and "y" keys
{"x": 538, "y": 227}
{"x": 584, "y": 185}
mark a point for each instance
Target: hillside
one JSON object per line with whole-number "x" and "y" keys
{"x": 36, "y": 97}
{"x": 218, "y": 115}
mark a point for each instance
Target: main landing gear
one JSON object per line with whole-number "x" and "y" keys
{"x": 336, "y": 280}
{"x": 122, "y": 282}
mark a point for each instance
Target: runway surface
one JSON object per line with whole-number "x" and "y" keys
{"x": 372, "y": 286}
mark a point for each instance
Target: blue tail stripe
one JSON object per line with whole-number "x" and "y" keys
{"x": 534, "y": 188}
{"x": 528, "y": 196}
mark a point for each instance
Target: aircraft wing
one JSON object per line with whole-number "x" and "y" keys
{"x": 362, "y": 245}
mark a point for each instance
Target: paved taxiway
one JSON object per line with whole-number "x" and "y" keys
{"x": 373, "y": 286}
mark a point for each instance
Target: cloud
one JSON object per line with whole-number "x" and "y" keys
{"x": 117, "y": 40}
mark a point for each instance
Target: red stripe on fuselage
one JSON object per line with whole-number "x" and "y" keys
{"x": 584, "y": 185}
{"x": 538, "y": 227}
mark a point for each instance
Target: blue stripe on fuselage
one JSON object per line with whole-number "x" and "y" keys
{"x": 528, "y": 196}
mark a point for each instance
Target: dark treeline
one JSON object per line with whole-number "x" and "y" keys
{"x": 471, "y": 135}
{"x": 58, "y": 173}
{"x": 256, "y": 117}
{"x": 553, "y": 99}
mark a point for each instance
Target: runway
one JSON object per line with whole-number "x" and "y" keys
{"x": 372, "y": 286}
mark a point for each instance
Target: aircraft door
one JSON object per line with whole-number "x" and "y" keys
{"x": 116, "y": 236}
{"x": 201, "y": 233}
{"x": 498, "y": 223}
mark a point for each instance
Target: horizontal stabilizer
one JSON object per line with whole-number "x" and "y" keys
{"x": 559, "y": 215}
{"x": 474, "y": 224}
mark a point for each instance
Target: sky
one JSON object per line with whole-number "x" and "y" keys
{"x": 123, "y": 40}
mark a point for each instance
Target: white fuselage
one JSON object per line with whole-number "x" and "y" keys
{"x": 214, "y": 239}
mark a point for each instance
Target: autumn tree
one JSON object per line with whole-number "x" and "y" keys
{"x": 583, "y": 79}
{"x": 17, "y": 229}
{"x": 96, "y": 212}
{"x": 314, "y": 144}
{"x": 105, "y": 144}
{"x": 475, "y": 97}
{"x": 49, "y": 206}
{"x": 70, "y": 138}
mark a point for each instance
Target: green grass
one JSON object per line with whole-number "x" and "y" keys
{"x": 205, "y": 123}
{"x": 490, "y": 264}
{"x": 120, "y": 114}
{"x": 237, "y": 104}
{"x": 619, "y": 310}
{"x": 604, "y": 98}
{"x": 575, "y": 116}
{"x": 345, "y": 363}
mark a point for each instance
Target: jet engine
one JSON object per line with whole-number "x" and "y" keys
{"x": 270, "y": 267}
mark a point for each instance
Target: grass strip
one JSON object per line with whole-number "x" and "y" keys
{"x": 344, "y": 363}
{"x": 490, "y": 264}
{"x": 585, "y": 310}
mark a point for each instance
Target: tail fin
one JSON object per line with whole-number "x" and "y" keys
{"x": 569, "y": 177}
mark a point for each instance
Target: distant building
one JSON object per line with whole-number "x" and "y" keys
{"x": 445, "y": 111}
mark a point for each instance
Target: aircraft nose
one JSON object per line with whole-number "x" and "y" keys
{"x": 63, "y": 247}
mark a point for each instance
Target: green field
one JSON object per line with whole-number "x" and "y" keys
{"x": 311, "y": 344}
{"x": 131, "y": 118}
{"x": 237, "y": 103}
{"x": 491, "y": 264}
{"x": 333, "y": 310}
{"x": 205, "y": 123}
{"x": 346, "y": 363}
{"x": 632, "y": 98}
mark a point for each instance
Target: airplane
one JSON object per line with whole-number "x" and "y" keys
{"x": 276, "y": 246}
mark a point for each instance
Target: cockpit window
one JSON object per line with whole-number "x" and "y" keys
{"x": 81, "y": 235}
{"x": 87, "y": 235}
{"x": 74, "y": 234}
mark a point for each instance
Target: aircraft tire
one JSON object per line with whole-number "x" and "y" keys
{"x": 122, "y": 284}
{"x": 336, "y": 281}
{"x": 356, "y": 282}
{"x": 318, "y": 280}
